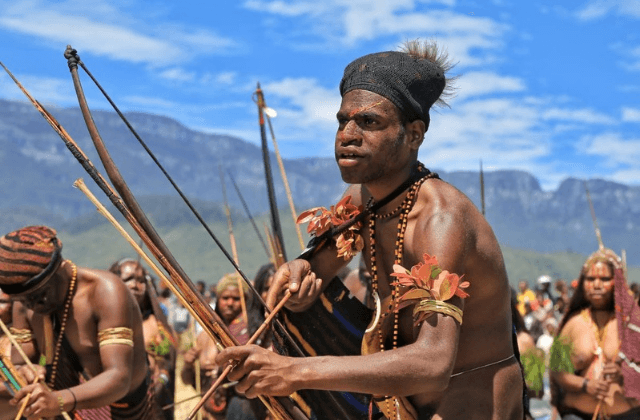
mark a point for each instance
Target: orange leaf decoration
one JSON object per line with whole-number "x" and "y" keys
{"x": 427, "y": 281}
{"x": 349, "y": 242}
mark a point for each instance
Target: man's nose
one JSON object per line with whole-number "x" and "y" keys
{"x": 349, "y": 133}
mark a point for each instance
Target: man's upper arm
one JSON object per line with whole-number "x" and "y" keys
{"x": 446, "y": 236}
{"x": 20, "y": 321}
{"x": 113, "y": 309}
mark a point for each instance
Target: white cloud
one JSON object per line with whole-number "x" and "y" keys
{"x": 223, "y": 78}
{"x": 626, "y": 176}
{"x": 596, "y": 9}
{"x": 482, "y": 83}
{"x": 347, "y": 22}
{"x": 177, "y": 74}
{"x": 47, "y": 90}
{"x": 630, "y": 114}
{"x": 105, "y": 31}
{"x": 615, "y": 149}
{"x": 148, "y": 103}
{"x": 587, "y": 116}
{"x": 309, "y": 102}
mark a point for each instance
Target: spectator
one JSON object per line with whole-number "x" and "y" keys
{"x": 525, "y": 295}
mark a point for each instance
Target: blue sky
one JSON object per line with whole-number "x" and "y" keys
{"x": 549, "y": 89}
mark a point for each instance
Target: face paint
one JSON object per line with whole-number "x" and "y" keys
{"x": 598, "y": 284}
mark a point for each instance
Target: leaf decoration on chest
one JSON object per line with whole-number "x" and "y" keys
{"x": 349, "y": 242}
{"x": 429, "y": 287}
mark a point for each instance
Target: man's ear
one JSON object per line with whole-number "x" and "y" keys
{"x": 415, "y": 133}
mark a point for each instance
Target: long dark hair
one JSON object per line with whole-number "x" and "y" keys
{"x": 255, "y": 310}
{"x": 116, "y": 268}
{"x": 579, "y": 301}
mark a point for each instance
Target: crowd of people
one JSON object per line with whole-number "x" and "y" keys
{"x": 447, "y": 336}
{"x": 572, "y": 329}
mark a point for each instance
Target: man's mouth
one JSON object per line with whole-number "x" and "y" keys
{"x": 348, "y": 158}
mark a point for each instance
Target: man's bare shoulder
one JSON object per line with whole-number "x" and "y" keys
{"x": 103, "y": 287}
{"x": 444, "y": 197}
{"x": 355, "y": 191}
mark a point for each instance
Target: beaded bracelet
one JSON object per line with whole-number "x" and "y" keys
{"x": 61, "y": 404}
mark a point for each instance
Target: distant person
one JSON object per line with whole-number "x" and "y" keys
{"x": 226, "y": 403}
{"x": 525, "y": 295}
{"x": 562, "y": 303}
{"x": 159, "y": 338}
{"x": 544, "y": 287}
{"x": 590, "y": 329}
{"x": 527, "y": 349}
{"x": 256, "y": 312}
{"x": 201, "y": 287}
{"x": 545, "y": 341}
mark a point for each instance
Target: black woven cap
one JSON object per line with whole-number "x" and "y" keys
{"x": 412, "y": 84}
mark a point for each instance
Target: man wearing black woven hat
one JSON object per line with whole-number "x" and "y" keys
{"x": 440, "y": 342}
{"x": 81, "y": 321}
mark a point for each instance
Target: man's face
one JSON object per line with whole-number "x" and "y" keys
{"x": 522, "y": 286}
{"x": 598, "y": 285}
{"x": 132, "y": 274}
{"x": 228, "y": 304}
{"x": 370, "y": 142}
{"x": 47, "y": 297}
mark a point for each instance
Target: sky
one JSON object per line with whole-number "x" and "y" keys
{"x": 550, "y": 89}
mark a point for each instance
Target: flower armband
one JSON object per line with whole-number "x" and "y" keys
{"x": 429, "y": 288}
{"x": 321, "y": 220}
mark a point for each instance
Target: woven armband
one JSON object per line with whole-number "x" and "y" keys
{"x": 431, "y": 306}
{"x": 118, "y": 335}
{"x": 21, "y": 335}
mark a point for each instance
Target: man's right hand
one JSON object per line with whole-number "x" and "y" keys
{"x": 297, "y": 277}
{"x": 29, "y": 375}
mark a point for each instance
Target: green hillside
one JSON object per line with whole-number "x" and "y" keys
{"x": 99, "y": 244}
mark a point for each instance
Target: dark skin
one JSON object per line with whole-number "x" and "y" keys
{"x": 134, "y": 277}
{"x": 375, "y": 152}
{"x": 101, "y": 301}
{"x": 604, "y": 376}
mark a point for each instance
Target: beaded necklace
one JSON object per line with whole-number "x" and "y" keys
{"x": 404, "y": 209}
{"x": 599, "y": 332}
{"x": 63, "y": 324}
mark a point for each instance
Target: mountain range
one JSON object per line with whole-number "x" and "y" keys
{"x": 37, "y": 173}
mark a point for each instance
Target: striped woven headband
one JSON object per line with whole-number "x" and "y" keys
{"x": 27, "y": 257}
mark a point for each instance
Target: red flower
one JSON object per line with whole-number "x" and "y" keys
{"x": 349, "y": 242}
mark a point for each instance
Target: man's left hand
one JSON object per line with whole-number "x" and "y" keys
{"x": 259, "y": 371}
{"x": 42, "y": 402}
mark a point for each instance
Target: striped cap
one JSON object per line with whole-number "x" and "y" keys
{"x": 27, "y": 257}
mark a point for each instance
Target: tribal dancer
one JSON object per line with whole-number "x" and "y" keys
{"x": 82, "y": 322}
{"x": 225, "y": 404}
{"x": 159, "y": 339}
{"x": 592, "y": 332}
{"x": 422, "y": 357}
